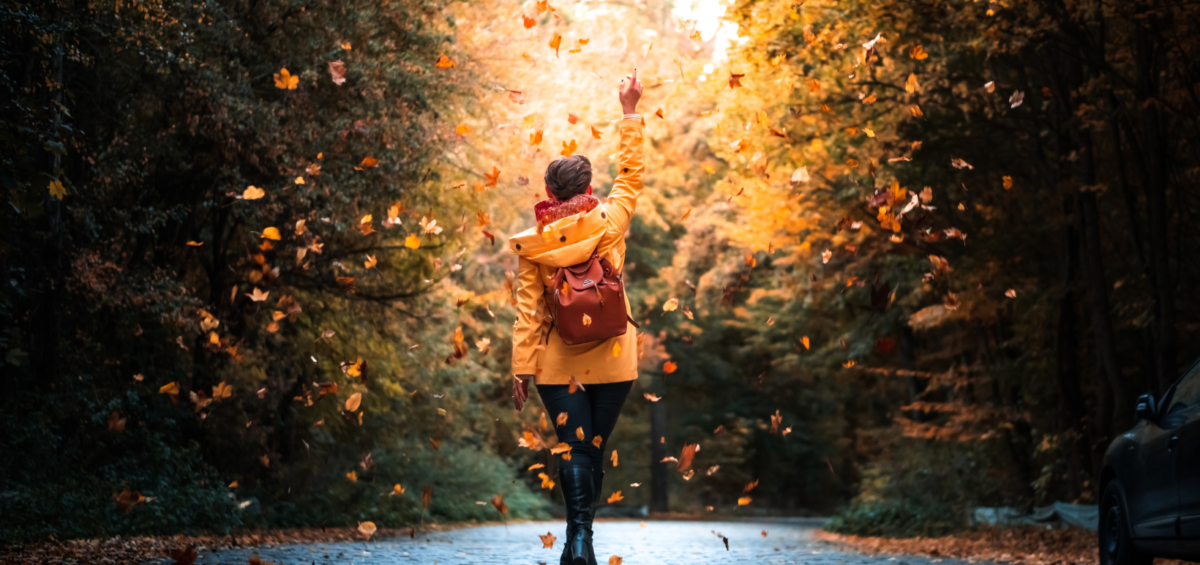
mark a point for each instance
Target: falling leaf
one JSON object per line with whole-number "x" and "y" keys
{"x": 1017, "y": 98}
{"x": 671, "y": 305}
{"x": 548, "y": 540}
{"x": 669, "y": 367}
{"x": 117, "y": 424}
{"x": 258, "y": 295}
{"x": 366, "y": 528}
{"x": 169, "y": 388}
{"x": 616, "y": 497}
{"x": 960, "y": 164}
{"x": 596, "y": 441}
{"x": 911, "y": 84}
{"x": 337, "y": 72}
{"x": 569, "y": 149}
{"x": 444, "y": 62}
{"x": 579, "y": 433}
{"x": 271, "y": 233}
{"x": 528, "y": 21}
{"x": 353, "y": 476}
{"x": 286, "y": 80}
{"x": 990, "y": 86}
{"x": 735, "y": 80}
{"x": 652, "y": 397}
{"x": 574, "y": 385}
{"x": 869, "y": 99}
{"x": 616, "y": 349}
{"x": 492, "y": 177}
{"x": 370, "y": 262}
{"x": 397, "y": 490}
{"x": 804, "y": 340}
{"x": 613, "y": 458}
{"x": 546, "y": 482}
{"x": 685, "y": 215}
{"x": 1011, "y": 293}
{"x": 825, "y": 256}
{"x": 555, "y": 42}
{"x": 462, "y": 129}
{"x": 412, "y": 242}
{"x": 427, "y": 496}
{"x": 659, "y": 113}
{"x": 560, "y": 448}
{"x": 743, "y": 501}
{"x": 561, "y": 419}
{"x": 687, "y": 455}
{"x": 1007, "y": 182}
{"x": 353, "y": 402}
{"x": 195, "y": 243}
{"x": 917, "y": 52}
{"x": 536, "y": 137}
{"x": 369, "y": 162}
{"x": 916, "y": 112}
{"x": 587, "y": 320}
{"x": 800, "y": 175}
{"x": 253, "y": 193}
{"x": 595, "y": 132}
{"x": 221, "y": 391}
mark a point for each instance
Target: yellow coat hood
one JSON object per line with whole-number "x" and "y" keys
{"x": 569, "y": 241}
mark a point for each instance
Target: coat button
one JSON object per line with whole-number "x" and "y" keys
{"x": 562, "y": 238}
{"x": 518, "y": 247}
{"x": 625, "y": 170}
{"x": 603, "y": 215}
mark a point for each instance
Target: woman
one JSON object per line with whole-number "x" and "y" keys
{"x": 574, "y": 225}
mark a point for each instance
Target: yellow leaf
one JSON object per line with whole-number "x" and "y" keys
{"x": 271, "y": 233}
{"x": 671, "y": 305}
{"x": 587, "y": 320}
{"x": 286, "y": 80}
{"x": 397, "y": 490}
{"x": 614, "y": 459}
{"x": 57, "y": 190}
{"x": 911, "y": 85}
{"x": 366, "y": 528}
{"x": 195, "y": 243}
{"x": 412, "y": 242}
{"x": 169, "y": 388}
{"x": 353, "y": 476}
{"x": 253, "y": 193}
{"x": 917, "y": 52}
{"x": 258, "y": 295}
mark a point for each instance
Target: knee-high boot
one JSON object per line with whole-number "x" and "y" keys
{"x": 579, "y": 494}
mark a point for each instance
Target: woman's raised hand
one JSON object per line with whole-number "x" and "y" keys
{"x": 631, "y": 91}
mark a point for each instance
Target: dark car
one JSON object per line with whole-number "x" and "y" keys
{"x": 1150, "y": 486}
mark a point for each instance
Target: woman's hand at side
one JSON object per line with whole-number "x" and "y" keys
{"x": 521, "y": 390}
{"x": 630, "y": 93}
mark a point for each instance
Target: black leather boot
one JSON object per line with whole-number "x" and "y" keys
{"x": 579, "y": 494}
{"x": 598, "y": 482}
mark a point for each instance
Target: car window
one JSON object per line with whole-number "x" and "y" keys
{"x": 1187, "y": 392}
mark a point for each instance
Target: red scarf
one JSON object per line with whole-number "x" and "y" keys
{"x": 550, "y": 211}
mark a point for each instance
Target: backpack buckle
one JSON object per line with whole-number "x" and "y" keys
{"x": 588, "y": 282}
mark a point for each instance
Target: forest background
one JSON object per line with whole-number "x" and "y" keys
{"x": 894, "y": 260}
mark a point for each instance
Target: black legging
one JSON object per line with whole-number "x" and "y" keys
{"x": 594, "y": 408}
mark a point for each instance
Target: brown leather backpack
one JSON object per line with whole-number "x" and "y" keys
{"x": 587, "y": 302}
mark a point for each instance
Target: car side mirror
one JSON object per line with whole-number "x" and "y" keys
{"x": 1147, "y": 408}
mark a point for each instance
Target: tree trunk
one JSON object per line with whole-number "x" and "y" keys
{"x": 1066, "y": 347}
{"x": 658, "y": 450}
{"x": 1157, "y": 172}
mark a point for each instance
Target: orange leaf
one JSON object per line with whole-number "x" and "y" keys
{"x": 535, "y": 137}
{"x": 462, "y": 129}
{"x": 548, "y": 540}
{"x": 286, "y": 80}
{"x": 735, "y": 80}
{"x": 555, "y": 42}
{"x": 616, "y": 497}
{"x": 529, "y": 22}
{"x": 353, "y": 402}
{"x": 492, "y": 177}
{"x": 669, "y": 367}
{"x": 444, "y": 62}
{"x": 595, "y": 132}
{"x": 569, "y": 149}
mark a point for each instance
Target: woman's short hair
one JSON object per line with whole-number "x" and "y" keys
{"x": 569, "y": 177}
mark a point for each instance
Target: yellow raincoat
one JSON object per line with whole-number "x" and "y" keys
{"x": 567, "y": 242}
